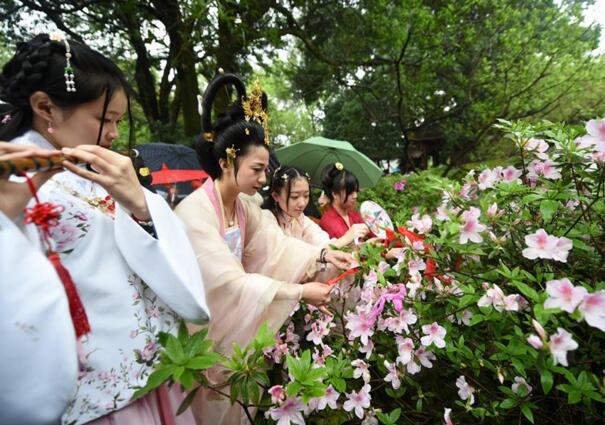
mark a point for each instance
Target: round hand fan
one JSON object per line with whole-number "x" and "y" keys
{"x": 376, "y": 218}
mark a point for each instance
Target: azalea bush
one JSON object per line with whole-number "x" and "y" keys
{"x": 486, "y": 308}
{"x": 401, "y": 194}
{"x": 489, "y": 307}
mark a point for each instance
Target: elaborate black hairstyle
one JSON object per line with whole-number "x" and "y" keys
{"x": 235, "y": 130}
{"x": 39, "y": 64}
{"x": 336, "y": 179}
{"x": 283, "y": 178}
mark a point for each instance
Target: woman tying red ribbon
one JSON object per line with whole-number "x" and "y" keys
{"x": 125, "y": 262}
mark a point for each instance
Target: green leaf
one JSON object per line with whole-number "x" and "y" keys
{"x": 157, "y": 378}
{"x": 508, "y": 403}
{"x": 574, "y": 396}
{"x": 205, "y": 361}
{"x": 183, "y": 333}
{"x": 174, "y": 350}
{"x": 548, "y": 208}
{"x": 187, "y": 379}
{"x": 527, "y": 291}
{"x": 339, "y": 384}
{"x": 293, "y": 389}
{"x": 187, "y": 401}
{"x": 546, "y": 380}
{"x": 526, "y": 410}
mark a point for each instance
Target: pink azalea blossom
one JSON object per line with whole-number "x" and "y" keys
{"x": 319, "y": 329}
{"x": 413, "y": 285}
{"x": 361, "y": 370}
{"x": 470, "y": 228}
{"x": 546, "y": 169}
{"x": 421, "y": 224}
{"x": 520, "y": 382}
{"x": 510, "y": 174}
{"x": 492, "y": 211}
{"x": 593, "y": 309}
{"x": 496, "y": 298}
{"x": 361, "y": 325}
{"x": 277, "y": 394}
{"x": 400, "y": 185}
{"x": 539, "y": 328}
{"x": 562, "y": 294}
{"x": 371, "y": 278}
{"x": 405, "y": 348}
{"x": 446, "y": 416}
{"x": 442, "y": 213}
{"x": 367, "y": 349}
{"x": 468, "y": 191}
{"x": 400, "y": 323}
{"x": 465, "y": 391}
{"x": 596, "y": 135}
{"x": 329, "y": 399}
{"x": 393, "y": 375}
{"x": 426, "y": 358}
{"x": 369, "y": 419}
{"x": 434, "y": 334}
{"x": 538, "y": 147}
{"x": 487, "y": 179}
{"x": 290, "y": 412}
{"x": 358, "y": 401}
{"x": 542, "y": 245}
{"x": 493, "y": 297}
{"x": 415, "y": 266}
{"x": 535, "y": 341}
{"x": 560, "y": 343}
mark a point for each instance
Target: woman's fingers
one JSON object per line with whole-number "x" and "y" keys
{"x": 325, "y": 310}
{"x": 89, "y": 175}
{"x": 96, "y": 162}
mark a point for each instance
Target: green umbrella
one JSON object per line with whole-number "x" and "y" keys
{"x": 315, "y": 153}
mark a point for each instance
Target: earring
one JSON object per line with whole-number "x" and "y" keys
{"x": 50, "y": 128}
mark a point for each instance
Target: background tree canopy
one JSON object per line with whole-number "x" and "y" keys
{"x": 397, "y": 79}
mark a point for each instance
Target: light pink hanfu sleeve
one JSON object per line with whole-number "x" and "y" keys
{"x": 262, "y": 288}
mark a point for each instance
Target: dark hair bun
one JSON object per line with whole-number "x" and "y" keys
{"x": 231, "y": 129}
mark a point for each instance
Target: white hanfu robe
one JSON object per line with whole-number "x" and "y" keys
{"x": 132, "y": 286}
{"x": 38, "y": 357}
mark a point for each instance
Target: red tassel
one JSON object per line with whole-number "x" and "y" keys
{"x": 44, "y": 216}
{"x": 76, "y": 309}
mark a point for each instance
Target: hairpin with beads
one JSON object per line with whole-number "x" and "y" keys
{"x": 70, "y": 84}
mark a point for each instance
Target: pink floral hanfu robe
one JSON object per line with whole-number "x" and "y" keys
{"x": 240, "y": 298}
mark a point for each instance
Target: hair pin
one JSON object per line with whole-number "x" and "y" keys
{"x": 70, "y": 84}
{"x": 231, "y": 155}
{"x": 339, "y": 166}
{"x": 209, "y": 136}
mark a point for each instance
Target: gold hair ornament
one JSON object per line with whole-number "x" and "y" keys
{"x": 209, "y": 136}
{"x": 339, "y": 166}
{"x": 253, "y": 109}
{"x": 231, "y": 155}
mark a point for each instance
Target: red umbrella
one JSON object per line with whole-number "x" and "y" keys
{"x": 169, "y": 176}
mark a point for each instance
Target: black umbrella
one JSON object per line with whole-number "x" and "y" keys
{"x": 157, "y": 156}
